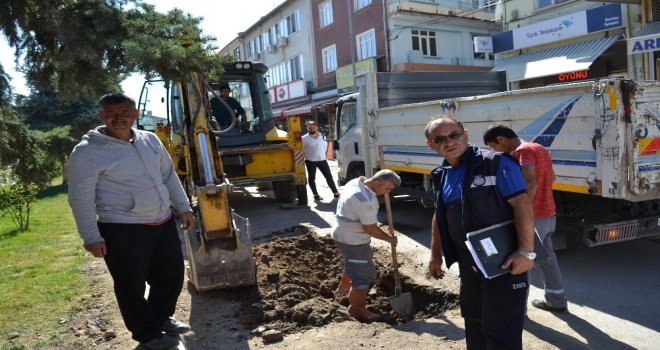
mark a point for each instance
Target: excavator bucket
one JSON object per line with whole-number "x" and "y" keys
{"x": 221, "y": 263}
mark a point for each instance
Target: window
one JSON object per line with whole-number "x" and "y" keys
{"x": 545, "y": 3}
{"x": 295, "y": 65}
{"x": 265, "y": 39}
{"x": 274, "y": 34}
{"x": 347, "y": 118}
{"x": 329, "y": 58}
{"x": 285, "y": 72}
{"x": 485, "y": 5}
{"x": 325, "y": 13}
{"x": 360, "y": 4}
{"x": 237, "y": 53}
{"x": 366, "y": 44}
{"x": 425, "y": 42}
{"x": 290, "y": 24}
{"x": 250, "y": 49}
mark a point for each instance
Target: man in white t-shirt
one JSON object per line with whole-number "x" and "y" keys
{"x": 357, "y": 222}
{"x": 315, "y": 147}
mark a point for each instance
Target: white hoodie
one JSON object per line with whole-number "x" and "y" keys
{"x": 122, "y": 182}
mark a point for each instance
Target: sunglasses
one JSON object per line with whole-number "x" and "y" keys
{"x": 439, "y": 140}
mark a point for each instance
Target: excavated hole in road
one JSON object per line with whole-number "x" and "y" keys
{"x": 297, "y": 274}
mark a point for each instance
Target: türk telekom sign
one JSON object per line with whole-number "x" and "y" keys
{"x": 560, "y": 28}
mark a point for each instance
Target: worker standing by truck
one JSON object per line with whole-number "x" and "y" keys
{"x": 314, "y": 148}
{"x": 122, "y": 188}
{"x": 536, "y": 166}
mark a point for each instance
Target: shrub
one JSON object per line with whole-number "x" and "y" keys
{"x": 16, "y": 201}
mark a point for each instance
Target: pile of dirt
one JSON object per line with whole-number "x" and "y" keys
{"x": 297, "y": 277}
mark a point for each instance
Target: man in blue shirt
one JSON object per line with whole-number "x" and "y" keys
{"x": 476, "y": 189}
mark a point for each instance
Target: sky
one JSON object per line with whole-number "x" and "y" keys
{"x": 222, "y": 19}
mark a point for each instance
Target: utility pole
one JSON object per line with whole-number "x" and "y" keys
{"x": 351, "y": 38}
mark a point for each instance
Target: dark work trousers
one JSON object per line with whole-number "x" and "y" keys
{"x": 325, "y": 170}
{"x": 138, "y": 254}
{"x": 493, "y": 310}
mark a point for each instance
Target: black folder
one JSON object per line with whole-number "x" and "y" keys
{"x": 492, "y": 245}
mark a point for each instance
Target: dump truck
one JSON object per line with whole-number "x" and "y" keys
{"x": 603, "y": 136}
{"x": 213, "y": 159}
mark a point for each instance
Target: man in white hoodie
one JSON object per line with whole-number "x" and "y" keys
{"x": 123, "y": 192}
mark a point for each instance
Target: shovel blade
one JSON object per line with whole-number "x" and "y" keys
{"x": 402, "y": 304}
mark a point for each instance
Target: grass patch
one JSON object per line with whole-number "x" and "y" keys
{"x": 40, "y": 279}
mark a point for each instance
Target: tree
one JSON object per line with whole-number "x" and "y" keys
{"x": 86, "y": 46}
{"x": 59, "y": 145}
{"x": 168, "y": 45}
{"x": 46, "y": 110}
{"x": 70, "y": 46}
{"x": 21, "y": 150}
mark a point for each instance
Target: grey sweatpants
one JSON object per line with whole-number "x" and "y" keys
{"x": 553, "y": 283}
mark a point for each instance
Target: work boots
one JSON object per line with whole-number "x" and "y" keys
{"x": 358, "y": 309}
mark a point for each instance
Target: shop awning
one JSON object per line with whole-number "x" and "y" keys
{"x": 307, "y": 108}
{"x": 277, "y": 112}
{"x": 649, "y": 29}
{"x": 556, "y": 60}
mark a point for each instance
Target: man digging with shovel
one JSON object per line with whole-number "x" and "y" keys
{"x": 357, "y": 222}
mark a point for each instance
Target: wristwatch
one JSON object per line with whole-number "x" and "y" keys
{"x": 527, "y": 254}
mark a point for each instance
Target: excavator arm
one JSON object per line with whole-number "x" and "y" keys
{"x": 220, "y": 250}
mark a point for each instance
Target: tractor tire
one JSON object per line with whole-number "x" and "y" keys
{"x": 301, "y": 191}
{"x": 285, "y": 191}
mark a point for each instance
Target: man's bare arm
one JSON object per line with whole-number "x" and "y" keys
{"x": 523, "y": 217}
{"x": 529, "y": 173}
{"x": 376, "y": 232}
{"x": 435, "y": 263}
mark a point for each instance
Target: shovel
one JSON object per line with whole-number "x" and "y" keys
{"x": 402, "y": 303}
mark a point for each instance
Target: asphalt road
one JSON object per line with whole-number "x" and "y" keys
{"x": 612, "y": 290}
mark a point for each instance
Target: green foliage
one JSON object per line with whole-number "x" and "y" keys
{"x": 168, "y": 45}
{"x": 5, "y": 87}
{"x": 68, "y": 45}
{"x": 16, "y": 202}
{"x": 21, "y": 150}
{"x": 59, "y": 143}
{"x": 46, "y": 110}
{"x": 86, "y": 47}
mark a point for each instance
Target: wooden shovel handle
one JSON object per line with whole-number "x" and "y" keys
{"x": 390, "y": 224}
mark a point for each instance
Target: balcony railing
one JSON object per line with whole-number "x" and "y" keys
{"x": 463, "y": 5}
{"x": 456, "y": 61}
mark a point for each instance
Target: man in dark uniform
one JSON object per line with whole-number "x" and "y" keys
{"x": 474, "y": 189}
{"x": 222, "y": 115}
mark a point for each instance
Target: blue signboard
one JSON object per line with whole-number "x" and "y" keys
{"x": 560, "y": 28}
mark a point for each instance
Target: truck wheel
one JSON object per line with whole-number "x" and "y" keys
{"x": 284, "y": 191}
{"x": 354, "y": 172}
{"x": 301, "y": 191}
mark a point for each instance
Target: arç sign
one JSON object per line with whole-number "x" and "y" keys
{"x": 646, "y": 43}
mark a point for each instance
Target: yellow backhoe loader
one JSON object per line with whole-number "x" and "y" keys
{"x": 212, "y": 158}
